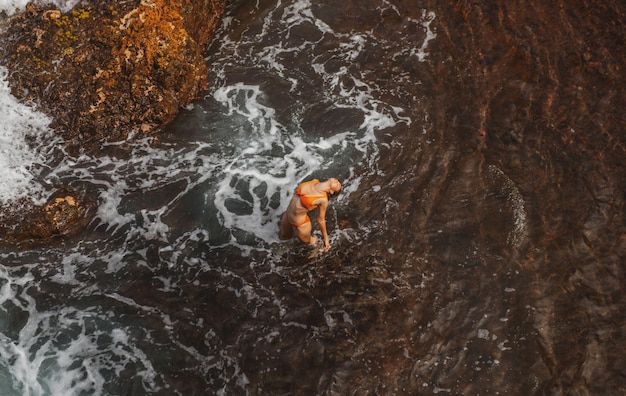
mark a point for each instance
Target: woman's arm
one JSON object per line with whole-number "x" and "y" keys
{"x": 321, "y": 220}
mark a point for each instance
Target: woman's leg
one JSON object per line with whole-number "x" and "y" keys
{"x": 286, "y": 229}
{"x": 304, "y": 233}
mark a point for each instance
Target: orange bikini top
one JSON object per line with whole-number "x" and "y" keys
{"x": 307, "y": 200}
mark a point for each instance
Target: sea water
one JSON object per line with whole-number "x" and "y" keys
{"x": 215, "y": 184}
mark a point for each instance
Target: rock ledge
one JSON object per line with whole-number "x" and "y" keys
{"x": 105, "y": 71}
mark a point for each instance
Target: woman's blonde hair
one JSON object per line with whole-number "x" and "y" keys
{"x": 334, "y": 184}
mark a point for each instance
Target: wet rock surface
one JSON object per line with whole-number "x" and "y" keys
{"x": 108, "y": 70}
{"x": 65, "y": 213}
{"x": 105, "y": 71}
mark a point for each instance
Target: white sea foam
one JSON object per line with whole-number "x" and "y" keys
{"x": 21, "y": 125}
{"x": 254, "y": 181}
{"x": 12, "y": 6}
{"x": 253, "y": 177}
{"x": 66, "y": 351}
{"x": 427, "y": 19}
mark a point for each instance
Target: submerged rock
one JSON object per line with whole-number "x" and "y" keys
{"x": 107, "y": 70}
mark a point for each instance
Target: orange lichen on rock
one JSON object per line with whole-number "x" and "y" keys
{"x": 61, "y": 212}
{"x": 64, "y": 214}
{"x": 159, "y": 58}
{"x": 104, "y": 72}
{"x": 108, "y": 70}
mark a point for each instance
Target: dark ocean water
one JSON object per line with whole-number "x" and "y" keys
{"x": 477, "y": 248}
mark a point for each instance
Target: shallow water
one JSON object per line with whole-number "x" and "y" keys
{"x": 477, "y": 247}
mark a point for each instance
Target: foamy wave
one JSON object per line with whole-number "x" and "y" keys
{"x": 427, "y": 19}
{"x": 264, "y": 167}
{"x": 61, "y": 352}
{"x": 12, "y": 6}
{"x": 20, "y": 124}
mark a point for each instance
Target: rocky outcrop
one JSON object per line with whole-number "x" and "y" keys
{"x": 65, "y": 213}
{"x": 108, "y": 70}
{"x": 104, "y": 71}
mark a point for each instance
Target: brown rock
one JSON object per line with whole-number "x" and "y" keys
{"x": 65, "y": 214}
{"x": 108, "y": 70}
{"x": 60, "y": 213}
{"x": 105, "y": 71}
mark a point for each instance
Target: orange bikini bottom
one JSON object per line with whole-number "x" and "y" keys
{"x": 303, "y": 222}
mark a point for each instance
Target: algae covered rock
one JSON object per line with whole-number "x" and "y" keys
{"x": 107, "y": 70}
{"x": 65, "y": 213}
{"x": 104, "y": 71}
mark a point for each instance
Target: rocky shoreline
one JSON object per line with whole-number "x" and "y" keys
{"x": 105, "y": 71}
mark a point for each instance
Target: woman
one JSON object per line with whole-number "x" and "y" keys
{"x": 309, "y": 195}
